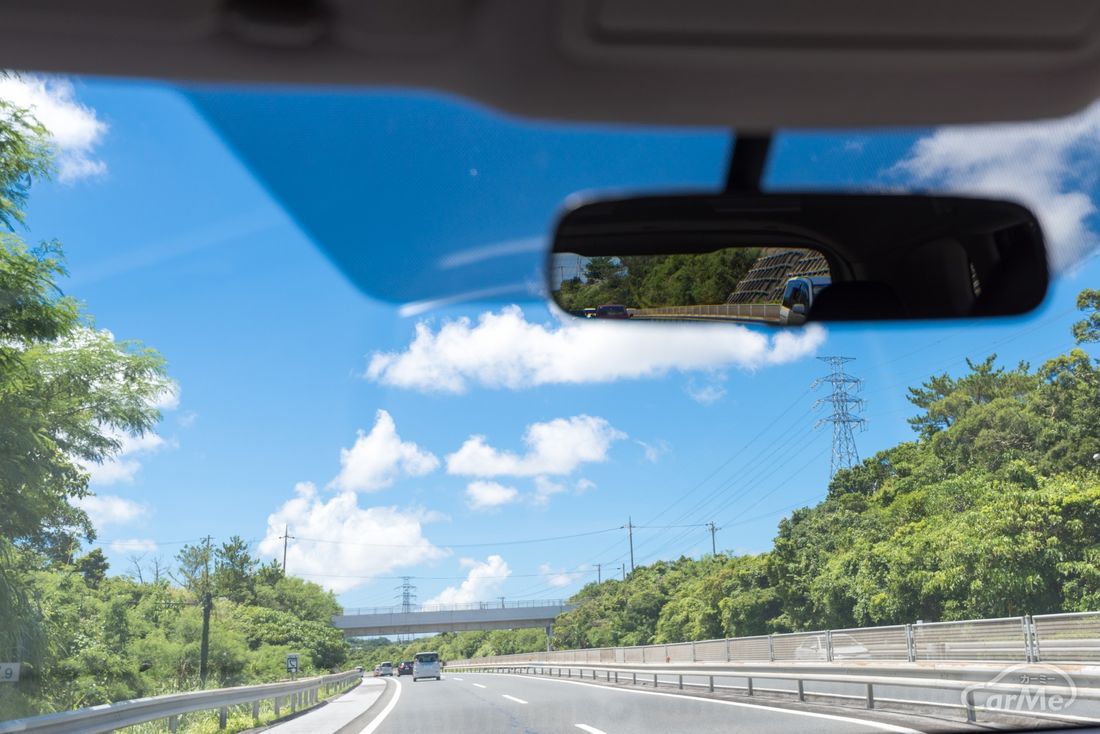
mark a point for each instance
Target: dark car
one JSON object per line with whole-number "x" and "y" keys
{"x": 405, "y": 667}
{"x": 612, "y": 311}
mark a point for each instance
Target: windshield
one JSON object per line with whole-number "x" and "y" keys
{"x": 280, "y": 397}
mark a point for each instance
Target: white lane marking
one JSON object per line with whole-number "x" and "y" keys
{"x": 385, "y": 712}
{"x": 512, "y": 698}
{"x": 453, "y": 678}
{"x": 480, "y": 686}
{"x": 589, "y": 729}
{"x": 774, "y": 709}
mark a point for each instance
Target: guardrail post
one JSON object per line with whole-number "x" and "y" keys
{"x": 1027, "y": 639}
{"x": 970, "y": 717}
{"x": 727, "y": 649}
{"x": 870, "y": 695}
{"x": 616, "y": 676}
{"x": 749, "y": 680}
{"x": 223, "y": 717}
{"x": 635, "y": 679}
{"x": 277, "y": 707}
{"x": 654, "y": 680}
{"x": 801, "y": 691}
{"x": 693, "y": 651}
{"x": 710, "y": 679}
{"x": 680, "y": 685}
{"x": 771, "y": 648}
{"x": 1037, "y": 653}
{"x": 829, "y": 646}
{"x": 910, "y": 646}
{"x": 173, "y": 723}
{"x": 255, "y": 711}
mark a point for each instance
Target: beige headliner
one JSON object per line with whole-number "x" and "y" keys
{"x": 753, "y": 64}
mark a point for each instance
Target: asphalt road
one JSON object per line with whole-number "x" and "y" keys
{"x": 472, "y": 703}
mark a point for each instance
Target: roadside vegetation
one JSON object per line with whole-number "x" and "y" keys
{"x": 657, "y": 280}
{"x": 69, "y": 394}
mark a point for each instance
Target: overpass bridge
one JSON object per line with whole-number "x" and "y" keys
{"x": 449, "y": 618}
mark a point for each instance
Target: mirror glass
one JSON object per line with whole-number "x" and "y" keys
{"x": 785, "y": 259}
{"x": 775, "y": 285}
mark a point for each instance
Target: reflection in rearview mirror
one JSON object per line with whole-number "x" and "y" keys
{"x": 774, "y": 285}
{"x": 785, "y": 259}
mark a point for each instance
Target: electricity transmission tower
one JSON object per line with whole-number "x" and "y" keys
{"x": 407, "y": 596}
{"x": 845, "y": 410}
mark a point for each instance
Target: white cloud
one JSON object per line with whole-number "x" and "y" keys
{"x": 545, "y": 489}
{"x": 553, "y": 448}
{"x": 134, "y": 545}
{"x": 481, "y": 495}
{"x": 122, "y": 467}
{"x": 169, "y": 397}
{"x": 379, "y": 457}
{"x": 1046, "y": 165}
{"x": 654, "y": 451}
{"x": 109, "y": 509}
{"x": 75, "y": 128}
{"x": 483, "y": 581}
{"x": 583, "y": 485}
{"x": 361, "y": 542}
{"x": 706, "y": 394}
{"x": 555, "y": 577}
{"x": 503, "y": 349}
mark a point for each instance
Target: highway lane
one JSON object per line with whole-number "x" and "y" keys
{"x": 473, "y": 703}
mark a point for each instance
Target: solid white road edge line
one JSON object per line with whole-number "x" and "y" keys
{"x": 369, "y": 729}
{"x": 480, "y": 686}
{"x": 813, "y": 714}
{"x": 512, "y": 698}
{"x": 589, "y": 729}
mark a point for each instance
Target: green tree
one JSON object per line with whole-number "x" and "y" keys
{"x": 1088, "y": 329}
{"x": 234, "y": 571}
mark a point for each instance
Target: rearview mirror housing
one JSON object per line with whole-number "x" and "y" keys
{"x": 873, "y": 257}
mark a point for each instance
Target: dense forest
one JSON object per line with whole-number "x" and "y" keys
{"x": 992, "y": 510}
{"x": 645, "y": 281}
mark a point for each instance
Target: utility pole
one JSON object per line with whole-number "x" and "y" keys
{"x": 630, "y": 535}
{"x": 713, "y": 529}
{"x": 407, "y": 596}
{"x": 622, "y": 567}
{"x": 284, "y": 537}
{"x": 845, "y": 412}
{"x": 599, "y": 575}
{"x": 207, "y": 603}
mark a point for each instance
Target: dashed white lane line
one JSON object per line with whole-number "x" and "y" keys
{"x": 589, "y": 729}
{"x": 480, "y": 686}
{"x": 456, "y": 679}
{"x": 512, "y": 698}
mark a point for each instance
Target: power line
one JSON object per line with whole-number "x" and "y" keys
{"x": 463, "y": 545}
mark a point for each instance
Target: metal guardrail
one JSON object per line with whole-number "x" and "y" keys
{"x": 867, "y": 680}
{"x": 1057, "y": 638}
{"x": 766, "y": 312}
{"x": 110, "y": 716}
{"x": 475, "y": 606}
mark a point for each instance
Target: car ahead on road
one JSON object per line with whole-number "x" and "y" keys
{"x": 405, "y": 667}
{"x": 426, "y": 665}
{"x": 844, "y": 647}
{"x": 385, "y": 669}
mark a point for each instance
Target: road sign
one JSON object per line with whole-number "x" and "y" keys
{"x": 292, "y": 663}
{"x": 9, "y": 672}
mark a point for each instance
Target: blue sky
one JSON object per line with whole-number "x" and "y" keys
{"x": 304, "y": 401}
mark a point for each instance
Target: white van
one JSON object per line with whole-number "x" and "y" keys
{"x": 426, "y": 665}
{"x": 385, "y": 669}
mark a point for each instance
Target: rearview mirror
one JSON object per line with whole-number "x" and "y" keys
{"x": 785, "y": 259}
